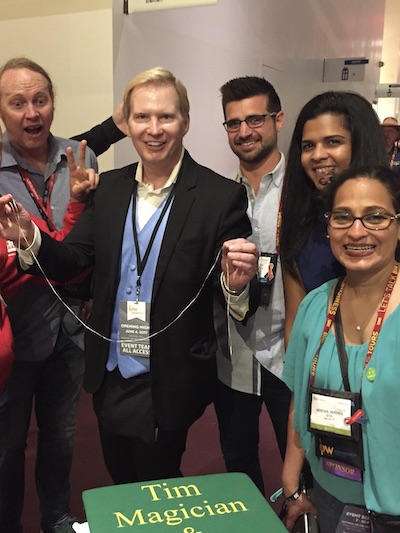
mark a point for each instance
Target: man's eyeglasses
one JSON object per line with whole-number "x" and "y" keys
{"x": 253, "y": 121}
{"x": 372, "y": 221}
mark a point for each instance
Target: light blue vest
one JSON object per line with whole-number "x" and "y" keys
{"x": 130, "y": 366}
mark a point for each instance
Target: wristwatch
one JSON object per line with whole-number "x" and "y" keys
{"x": 295, "y": 495}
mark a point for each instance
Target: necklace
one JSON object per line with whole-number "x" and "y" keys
{"x": 360, "y": 326}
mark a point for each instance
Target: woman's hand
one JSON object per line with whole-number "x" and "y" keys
{"x": 296, "y": 508}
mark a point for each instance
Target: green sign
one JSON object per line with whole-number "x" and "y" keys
{"x": 218, "y": 503}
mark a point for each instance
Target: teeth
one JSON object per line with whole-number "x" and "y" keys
{"x": 325, "y": 170}
{"x": 359, "y": 248}
{"x": 247, "y": 143}
{"x": 154, "y": 143}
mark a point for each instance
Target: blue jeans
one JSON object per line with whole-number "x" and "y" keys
{"x": 54, "y": 385}
{"x": 238, "y": 416}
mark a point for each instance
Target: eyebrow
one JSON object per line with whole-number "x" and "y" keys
{"x": 17, "y": 94}
{"x": 248, "y": 115}
{"x": 374, "y": 208}
{"x": 327, "y": 138}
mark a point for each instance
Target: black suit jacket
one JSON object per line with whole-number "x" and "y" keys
{"x": 207, "y": 210}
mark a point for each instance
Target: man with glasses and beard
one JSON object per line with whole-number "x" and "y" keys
{"x": 250, "y": 355}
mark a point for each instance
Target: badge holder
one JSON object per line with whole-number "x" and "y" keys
{"x": 267, "y": 264}
{"x": 342, "y": 453}
{"x": 339, "y": 446}
{"x": 134, "y": 328}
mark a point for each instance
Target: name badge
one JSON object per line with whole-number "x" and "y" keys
{"x": 353, "y": 519}
{"x": 328, "y": 413}
{"x": 334, "y": 421}
{"x": 134, "y": 328}
{"x": 267, "y": 264}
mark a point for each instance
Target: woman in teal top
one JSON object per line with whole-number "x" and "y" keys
{"x": 363, "y": 211}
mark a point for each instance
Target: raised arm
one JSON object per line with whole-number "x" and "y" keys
{"x": 102, "y": 136}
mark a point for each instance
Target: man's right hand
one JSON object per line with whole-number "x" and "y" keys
{"x": 81, "y": 180}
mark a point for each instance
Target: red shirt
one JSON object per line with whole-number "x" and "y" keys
{"x": 11, "y": 280}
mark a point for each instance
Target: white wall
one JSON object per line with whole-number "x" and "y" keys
{"x": 206, "y": 46}
{"x": 390, "y": 72}
{"x": 91, "y": 50}
{"x": 74, "y": 44}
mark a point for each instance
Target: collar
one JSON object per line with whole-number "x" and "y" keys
{"x": 171, "y": 180}
{"x": 12, "y": 159}
{"x": 277, "y": 174}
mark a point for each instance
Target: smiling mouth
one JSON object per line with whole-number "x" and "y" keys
{"x": 365, "y": 248}
{"x": 250, "y": 142}
{"x": 154, "y": 144}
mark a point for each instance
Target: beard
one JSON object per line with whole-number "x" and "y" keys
{"x": 257, "y": 156}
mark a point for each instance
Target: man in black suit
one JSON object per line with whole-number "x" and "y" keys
{"x": 156, "y": 235}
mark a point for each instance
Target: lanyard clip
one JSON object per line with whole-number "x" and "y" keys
{"x": 357, "y": 417}
{"x": 138, "y": 285}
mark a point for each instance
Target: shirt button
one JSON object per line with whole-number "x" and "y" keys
{"x": 256, "y": 229}
{"x": 129, "y": 290}
{"x": 133, "y": 268}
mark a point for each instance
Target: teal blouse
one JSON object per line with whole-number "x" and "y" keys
{"x": 380, "y": 489}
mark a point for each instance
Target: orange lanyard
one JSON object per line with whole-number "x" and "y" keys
{"x": 278, "y": 219}
{"x": 376, "y": 330}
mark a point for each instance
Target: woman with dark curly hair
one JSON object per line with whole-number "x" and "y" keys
{"x": 334, "y": 131}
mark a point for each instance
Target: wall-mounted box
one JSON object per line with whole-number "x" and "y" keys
{"x": 387, "y": 90}
{"x": 133, "y": 6}
{"x": 344, "y": 69}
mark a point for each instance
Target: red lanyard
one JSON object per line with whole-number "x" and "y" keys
{"x": 278, "y": 219}
{"x": 278, "y": 226}
{"x": 378, "y": 324}
{"x": 43, "y": 206}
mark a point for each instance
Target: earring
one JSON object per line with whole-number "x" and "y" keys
{"x": 327, "y": 236}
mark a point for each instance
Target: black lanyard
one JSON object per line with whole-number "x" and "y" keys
{"x": 141, "y": 263}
